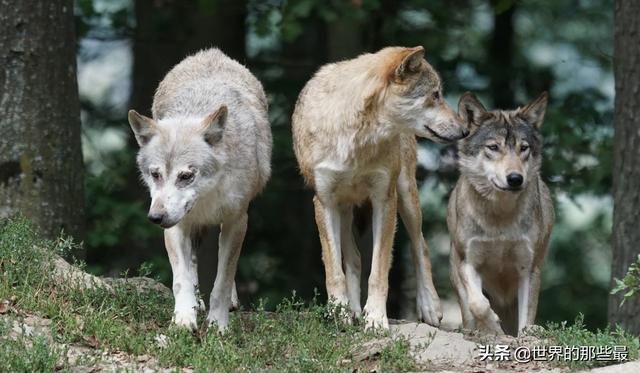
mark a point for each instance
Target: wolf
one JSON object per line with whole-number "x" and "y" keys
{"x": 354, "y": 128}
{"x": 204, "y": 155}
{"x": 500, "y": 216}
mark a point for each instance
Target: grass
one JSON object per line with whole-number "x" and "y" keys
{"x": 562, "y": 334}
{"x": 41, "y": 356}
{"x": 296, "y": 337}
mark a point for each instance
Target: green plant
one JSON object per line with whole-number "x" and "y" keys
{"x": 577, "y": 334}
{"x": 298, "y": 336}
{"x": 630, "y": 283}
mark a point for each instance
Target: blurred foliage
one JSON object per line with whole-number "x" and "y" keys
{"x": 630, "y": 283}
{"x": 564, "y": 47}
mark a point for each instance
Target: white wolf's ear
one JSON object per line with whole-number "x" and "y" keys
{"x": 144, "y": 128}
{"x": 471, "y": 110}
{"x": 533, "y": 113}
{"x": 214, "y": 125}
{"x": 410, "y": 64}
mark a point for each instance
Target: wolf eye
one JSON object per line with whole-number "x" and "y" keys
{"x": 524, "y": 147}
{"x": 436, "y": 95}
{"x": 155, "y": 175}
{"x": 185, "y": 176}
{"x": 493, "y": 147}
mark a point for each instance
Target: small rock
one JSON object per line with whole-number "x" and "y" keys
{"x": 162, "y": 340}
{"x": 4, "y": 306}
{"x": 369, "y": 349}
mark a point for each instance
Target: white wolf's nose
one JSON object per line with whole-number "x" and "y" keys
{"x": 155, "y": 218}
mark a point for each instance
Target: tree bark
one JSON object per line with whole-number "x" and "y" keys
{"x": 41, "y": 169}
{"x": 168, "y": 31}
{"x": 501, "y": 54}
{"x": 626, "y": 160}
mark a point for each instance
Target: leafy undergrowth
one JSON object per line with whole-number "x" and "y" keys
{"x": 122, "y": 318}
{"x": 561, "y": 334}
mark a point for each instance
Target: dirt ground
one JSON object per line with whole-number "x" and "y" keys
{"x": 444, "y": 349}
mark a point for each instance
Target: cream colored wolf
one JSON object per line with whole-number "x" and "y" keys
{"x": 204, "y": 156}
{"x": 500, "y": 217}
{"x": 354, "y": 130}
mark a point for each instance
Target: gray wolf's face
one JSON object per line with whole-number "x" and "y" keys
{"x": 504, "y": 148}
{"x": 178, "y": 160}
{"x": 415, "y": 101}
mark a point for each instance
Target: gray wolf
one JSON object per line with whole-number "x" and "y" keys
{"x": 204, "y": 155}
{"x": 500, "y": 216}
{"x": 354, "y": 128}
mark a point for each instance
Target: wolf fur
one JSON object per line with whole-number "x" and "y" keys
{"x": 500, "y": 217}
{"x": 354, "y": 128}
{"x": 204, "y": 156}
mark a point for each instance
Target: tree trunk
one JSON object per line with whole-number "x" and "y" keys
{"x": 168, "y": 31}
{"x": 41, "y": 169}
{"x": 626, "y": 160}
{"x": 501, "y": 54}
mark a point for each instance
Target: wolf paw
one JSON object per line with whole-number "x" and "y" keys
{"x": 376, "y": 322}
{"x": 218, "y": 318}
{"x": 186, "y": 319}
{"x": 339, "y": 311}
{"x": 429, "y": 309}
{"x": 375, "y": 319}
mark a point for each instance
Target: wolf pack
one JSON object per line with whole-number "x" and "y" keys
{"x": 205, "y": 154}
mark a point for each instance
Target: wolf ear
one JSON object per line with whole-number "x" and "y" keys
{"x": 144, "y": 128}
{"x": 410, "y": 64}
{"x": 214, "y": 125}
{"x": 533, "y": 113}
{"x": 471, "y": 110}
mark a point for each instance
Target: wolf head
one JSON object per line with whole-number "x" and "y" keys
{"x": 413, "y": 97}
{"x": 503, "y": 151}
{"x": 179, "y": 160}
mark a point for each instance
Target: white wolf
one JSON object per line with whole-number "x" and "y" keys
{"x": 204, "y": 156}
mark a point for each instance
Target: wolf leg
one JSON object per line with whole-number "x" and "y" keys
{"x": 479, "y": 304}
{"x": 534, "y": 293}
{"x": 351, "y": 260}
{"x": 461, "y": 293}
{"x": 383, "y": 225}
{"x": 523, "y": 300}
{"x": 428, "y": 302}
{"x": 235, "y": 302}
{"x": 524, "y": 262}
{"x": 528, "y": 291}
{"x": 232, "y": 233}
{"x": 182, "y": 257}
{"x": 328, "y": 222}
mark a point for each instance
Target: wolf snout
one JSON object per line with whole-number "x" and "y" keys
{"x": 515, "y": 180}
{"x": 461, "y": 132}
{"x": 156, "y": 217}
